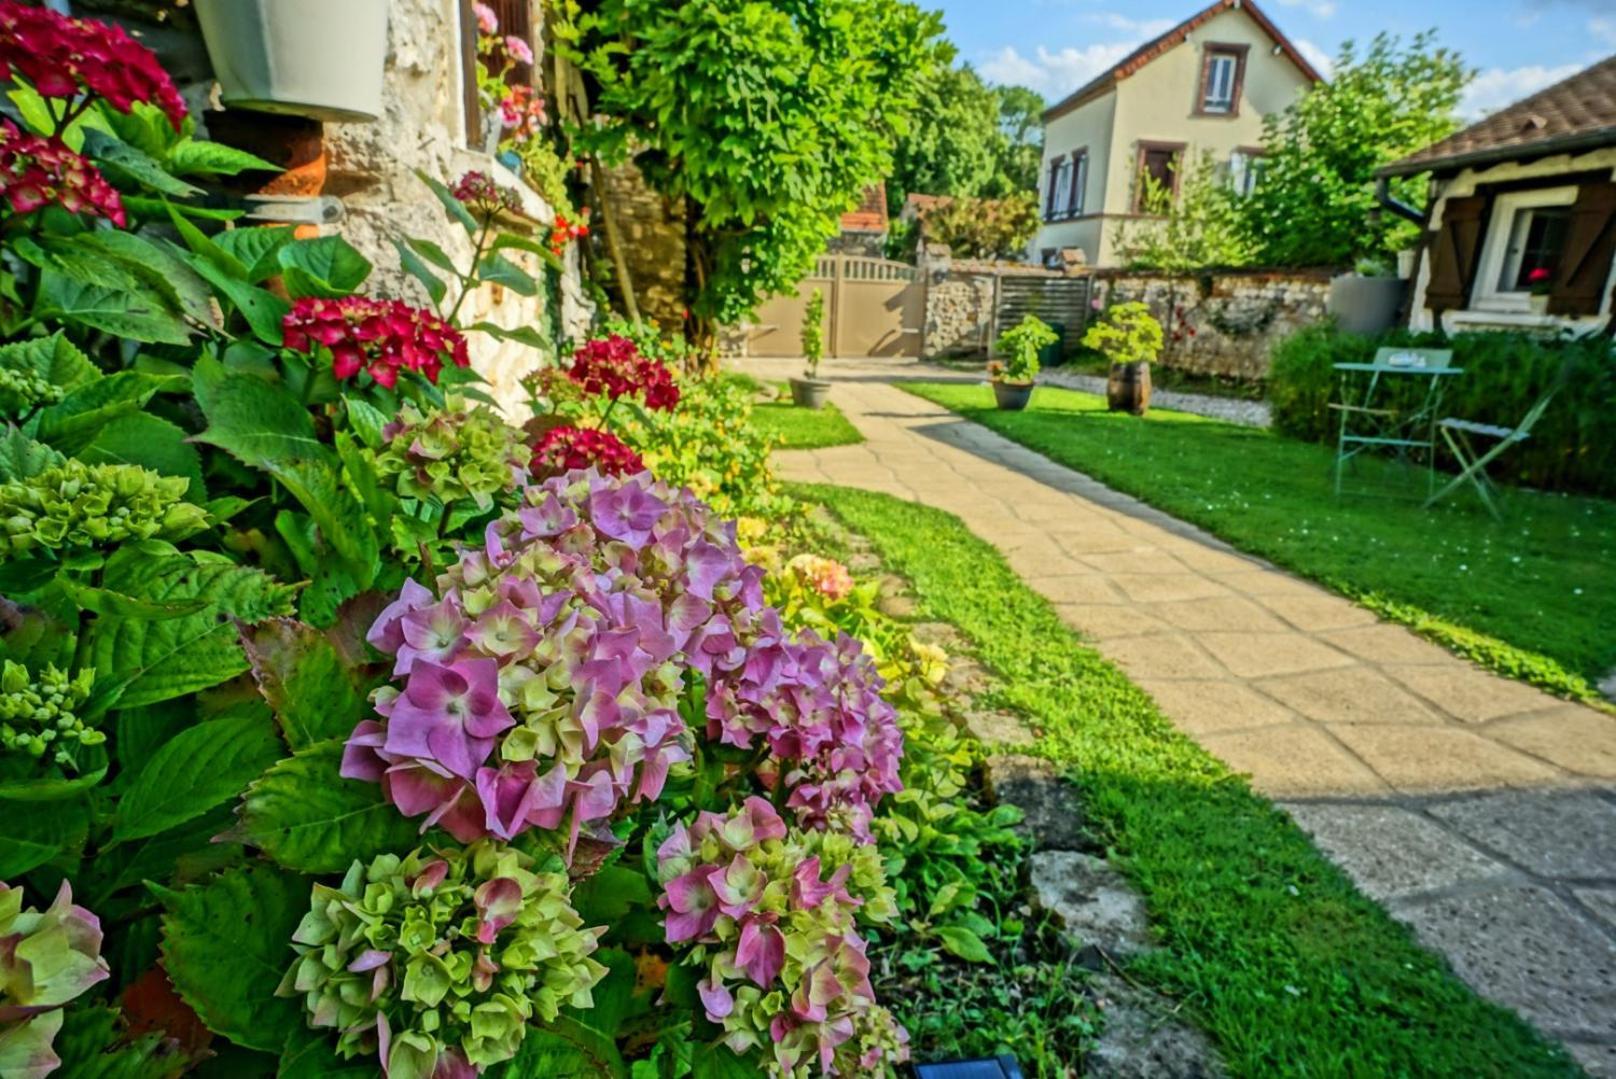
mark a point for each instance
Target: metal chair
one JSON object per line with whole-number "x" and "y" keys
{"x": 1457, "y": 434}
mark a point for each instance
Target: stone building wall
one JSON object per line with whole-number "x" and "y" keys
{"x": 1224, "y": 324}
{"x": 653, "y": 238}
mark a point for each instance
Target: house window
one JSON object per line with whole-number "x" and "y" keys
{"x": 1080, "y": 183}
{"x": 1245, "y": 171}
{"x": 1222, "y": 74}
{"x": 1060, "y": 189}
{"x": 1526, "y": 237}
{"x": 1156, "y": 184}
{"x": 515, "y": 20}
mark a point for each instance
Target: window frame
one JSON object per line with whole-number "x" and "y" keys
{"x": 1210, "y": 52}
{"x": 1077, "y": 196}
{"x": 471, "y": 105}
{"x": 1145, "y": 148}
{"x": 1485, "y": 293}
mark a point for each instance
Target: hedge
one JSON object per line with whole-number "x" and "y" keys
{"x": 1573, "y": 446}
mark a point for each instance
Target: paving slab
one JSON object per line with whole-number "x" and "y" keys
{"x": 1392, "y": 852}
{"x": 1262, "y": 655}
{"x": 1429, "y": 759}
{"x": 1576, "y": 738}
{"x": 1295, "y": 761}
{"x": 1203, "y": 706}
{"x": 1215, "y": 613}
{"x": 1350, "y": 695}
{"x": 1553, "y": 833}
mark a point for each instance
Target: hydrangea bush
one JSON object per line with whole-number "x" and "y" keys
{"x": 47, "y": 958}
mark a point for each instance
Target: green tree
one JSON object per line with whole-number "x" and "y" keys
{"x": 764, "y": 121}
{"x": 1204, "y": 227}
{"x": 953, "y": 147}
{"x": 985, "y": 228}
{"x": 1315, "y": 202}
{"x": 1021, "y": 140}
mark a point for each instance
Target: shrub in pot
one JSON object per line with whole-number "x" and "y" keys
{"x": 810, "y": 390}
{"x": 1129, "y": 336}
{"x": 1013, "y": 375}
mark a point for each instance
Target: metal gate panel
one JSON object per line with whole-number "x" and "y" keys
{"x": 1063, "y": 300}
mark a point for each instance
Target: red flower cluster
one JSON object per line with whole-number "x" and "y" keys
{"x": 382, "y": 337}
{"x": 522, "y": 112}
{"x": 62, "y": 57}
{"x": 614, "y": 367}
{"x": 563, "y": 232}
{"x": 37, "y": 172}
{"x": 565, "y": 448}
{"x": 478, "y": 191}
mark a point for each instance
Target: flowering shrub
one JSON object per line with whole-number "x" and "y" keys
{"x": 76, "y": 506}
{"x": 478, "y": 191}
{"x": 36, "y": 172}
{"x": 613, "y": 368}
{"x": 562, "y": 449}
{"x": 825, "y": 576}
{"x": 47, "y": 958}
{"x": 62, "y": 57}
{"x": 459, "y": 452}
{"x": 439, "y": 960}
{"x": 379, "y": 337}
{"x": 39, "y": 719}
{"x": 771, "y": 919}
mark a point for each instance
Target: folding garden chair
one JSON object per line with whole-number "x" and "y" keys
{"x": 1457, "y": 434}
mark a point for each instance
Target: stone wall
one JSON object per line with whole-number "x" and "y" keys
{"x": 1223, "y": 324}
{"x": 959, "y": 300}
{"x": 653, "y": 237}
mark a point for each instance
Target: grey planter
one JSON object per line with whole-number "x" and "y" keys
{"x": 810, "y": 392}
{"x": 1012, "y": 396}
{"x": 1366, "y": 305}
{"x": 316, "y": 58}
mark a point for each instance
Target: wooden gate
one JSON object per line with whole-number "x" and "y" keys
{"x": 873, "y": 307}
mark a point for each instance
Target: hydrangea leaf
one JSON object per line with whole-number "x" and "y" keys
{"x": 258, "y": 249}
{"x": 34, "y": 837}
{"x": 22, "y": 458}
{"x": 187, "y": 851}
{"x": 312, "y": 1054}
{"x": 142, "y": 661}
{"x": 957, "y": 940}
{"x": 564, "y": 1049}
{"x": 55, "y": 359}
{"x": 94, "y": 1045}
{"x": 138, "y": 313}
{"x": 305, "y": 816}
{"x": 327, "y": 266}
{"x": 201, "y": 767}
{"x": 719, "y": 1062}
{"x": 151, "y": 442}
{"x": 226, "y": 945}
{"x": 314, "y": 695}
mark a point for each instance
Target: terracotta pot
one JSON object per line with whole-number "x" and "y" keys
{"x": 810, "y": 392}
{"x": 314, "y": 58}
{"x": 1128, "y": 388}
{"x": 1012, "y": 396}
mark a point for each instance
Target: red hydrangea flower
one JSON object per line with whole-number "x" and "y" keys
{"x": 382, "y": 337}
{"x": 62, "y": 57}
{"x": 563, "y": 449}
{"x": 614, "y": 367}
{"x": 36, "y": 172}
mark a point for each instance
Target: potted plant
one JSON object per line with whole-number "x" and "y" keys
{"x": 1013, "y": 375}
{"x": 1129, "y": 336}
{"x": 309, "y": 58}
{"x": 1539, "y": 283}
{"x": 810, "y": 390}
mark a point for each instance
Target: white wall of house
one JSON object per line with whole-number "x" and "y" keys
{"x": 1490, "y": 308}
{"x": 1159, "y": 103}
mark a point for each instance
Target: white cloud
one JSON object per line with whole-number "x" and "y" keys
{"x": 1316, "y": 56}
{"x": 1144, "y": 29}
{"x": 1496, "y": 87}
{"x": 1321, "y": 9}
{"x": 1603, "y": 27}
{"x": 1053, "y": 72}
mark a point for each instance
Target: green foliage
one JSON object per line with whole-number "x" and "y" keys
{"x": 973, "y": 228}
{"x": 765, "y": 121}
{"x": 1125, "y": 333}
{"x": 1021, "y": 152}
{"x": 1204, "y": 226}
{"x": 1315, "y": 203}
{"x": 1020, "y": 345}
{"x": 1534, "y": 584}
{"x": 784, "y": 426}
{"x": 1268, "y": 944}
{"x": 968, "y": 139}
{"x": 1573, "y": 445}
{"x": 813, "y": 331}
{"x": 201, "y": 767}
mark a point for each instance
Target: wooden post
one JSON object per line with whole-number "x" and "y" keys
{"x": 993, "y": 316}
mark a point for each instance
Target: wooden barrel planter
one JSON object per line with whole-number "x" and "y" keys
{"x": 1128, "y": 388}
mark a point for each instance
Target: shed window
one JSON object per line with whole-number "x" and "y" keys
{"x": 1523, "y": 247}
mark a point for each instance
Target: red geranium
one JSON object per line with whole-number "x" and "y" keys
{"x": 62, "y": 57}
{"x": 614, "y": 367}
{"x": 563, "y": 449}
{"x": 563, "y": 231}
{"x": 378, "y": 336}
{"x": 36, "y": 172}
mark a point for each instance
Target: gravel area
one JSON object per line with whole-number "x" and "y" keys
{"x": 1232, "y": 409}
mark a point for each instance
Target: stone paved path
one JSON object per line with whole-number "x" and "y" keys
{"x": 1478, "y": 809}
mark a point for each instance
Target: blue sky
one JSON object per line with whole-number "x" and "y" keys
{"x": 1517, "y": 46}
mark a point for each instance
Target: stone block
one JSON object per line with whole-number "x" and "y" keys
{"x": 1054, "y": 817}
{"x": 1390, "y": 851}
{"x": 1092, "y": 901}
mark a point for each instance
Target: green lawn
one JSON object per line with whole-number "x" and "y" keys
{"x": 1531, "y": 596}
{"x": 803, "y": 428}
{"x": 1284, "y": 963}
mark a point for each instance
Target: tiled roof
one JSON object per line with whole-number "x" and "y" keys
{"x": 1576, "y": 113}
{"x": 871, "y": 214}
{"x": 1156, "y": 46}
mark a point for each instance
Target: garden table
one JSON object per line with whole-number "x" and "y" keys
{"x": 1366, "y": 425}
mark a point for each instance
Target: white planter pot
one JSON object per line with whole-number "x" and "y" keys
{"x": 1366, "y": 305}
{"x": 322, "y": 59}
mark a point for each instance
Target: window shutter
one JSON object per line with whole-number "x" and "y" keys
{"x": 1590, "y": 244}
{"x": 468, "y": 75}
{"x": 1453, "y": 253}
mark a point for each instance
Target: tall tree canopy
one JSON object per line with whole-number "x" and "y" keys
{"x": 1315, "y": 203}
{"x": 969, "y": 139}
{"x": 763, "y": 119}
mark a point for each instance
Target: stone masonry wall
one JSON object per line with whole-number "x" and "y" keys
{"x": 653, "y": 238}
{"x": 1223, "y": 324}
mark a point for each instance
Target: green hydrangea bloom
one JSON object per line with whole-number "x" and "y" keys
{"x": 441, "y": 957}
{"x": 22, "y": 390}
{"x": 76, "y": 505}
{"x": 47, "y": 958}
{"x": 38, "y": 714}
{"x": 461, "y": 452}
